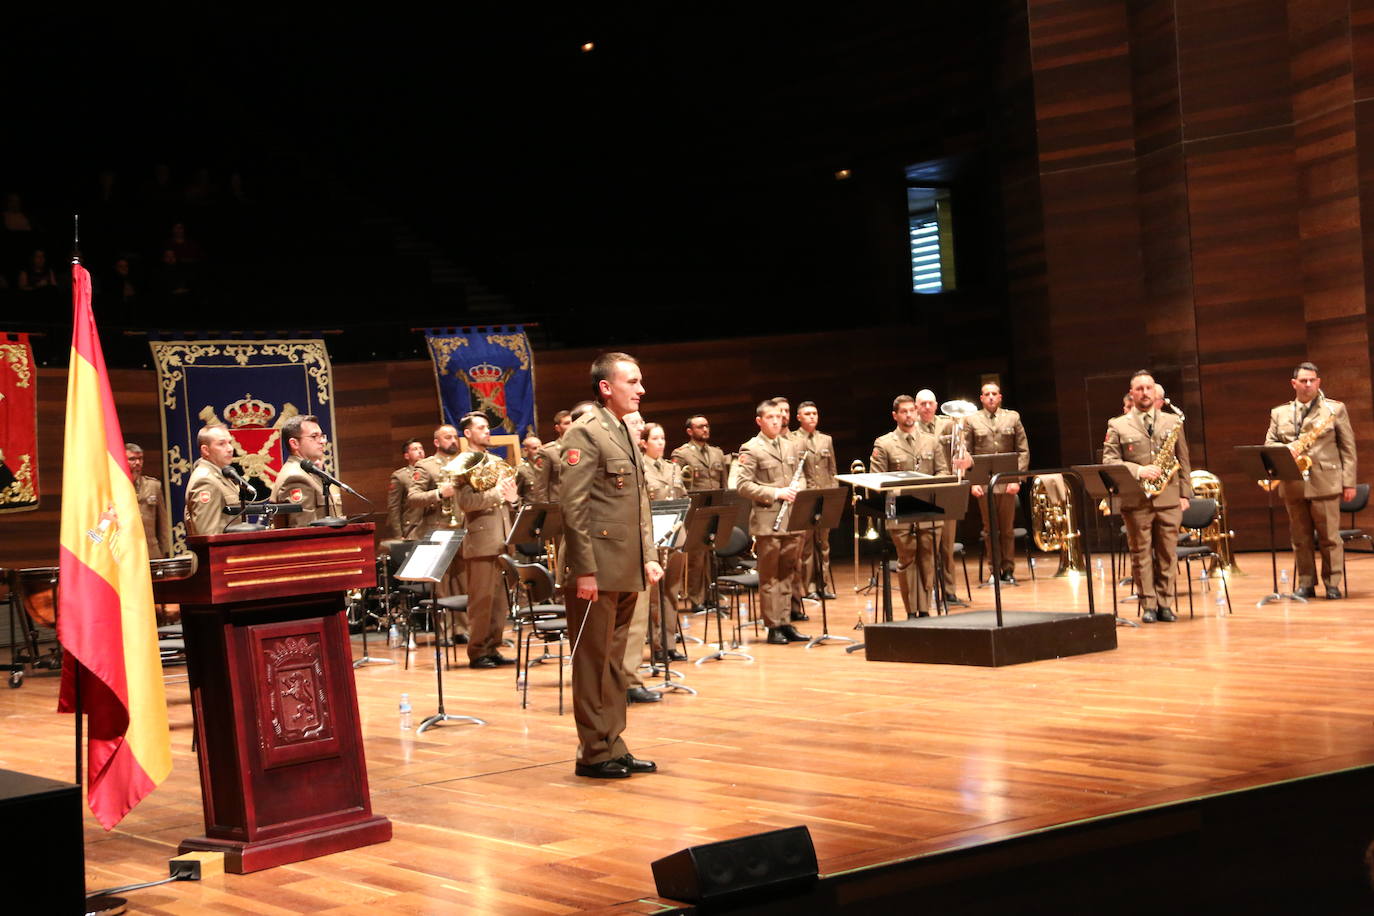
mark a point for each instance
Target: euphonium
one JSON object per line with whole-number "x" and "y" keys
{"x": 1052, "y": 524}
{"x": 957, "y": 411}
{"x": 1217, "y": 535}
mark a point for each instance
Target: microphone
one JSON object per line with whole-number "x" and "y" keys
{"x": 311, "y": 468}
{"x": 244, "y": 488}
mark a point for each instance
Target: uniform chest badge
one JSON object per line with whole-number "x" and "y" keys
{"x": 417, "y": 475}
{"x": 572, "y": 456}
{"x": 539, "y": 462}
{"x": 619, "y": 482}
{"x": 295, "y": 495}
{"x": 203, "y": 496}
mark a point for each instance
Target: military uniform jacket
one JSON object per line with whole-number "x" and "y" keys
{"x": 941, "y": 428}
{"x": 525, "y": 479}
{"x": 422, "y": 497}
{"x": 486, "y": 518}
{"x": 818, "y": 453}
{"x": 1333, "y": 454}
{"x": 765, "y": 467}
{"x": 298, "y": 487}
{"x": 703, "y": 468}
{"x": 1128, "y": 443}
{"x": 663, "y": 478}
{"x": 400, "y": 515}
{"x": 207, "y": 493}
{"x": 156, "y": 525}
{"x": 548, "y": 473}
{"x": 986, "y": 434}
{"x": 606, "y": 524}
{"x": 891, "y": 452}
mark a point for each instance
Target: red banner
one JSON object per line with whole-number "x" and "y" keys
{"x": 18, "y": 425}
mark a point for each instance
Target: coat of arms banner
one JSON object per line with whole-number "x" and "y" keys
{"x": 18, "y": 424}
{"x": 251, "y": 387}
{"x": 486, "y": 369}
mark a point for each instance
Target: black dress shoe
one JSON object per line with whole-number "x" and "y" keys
{"x": 1147, "y": 616}
{"x": 790, "y": 633}
{"x": 641, "y": 695}
{"x": 776, "y": 637}
{"x": 828, "y": 595}
{"x": 1166, "y": 615}
{"x": 1008, "y": 579}
{"x": 461, "y": 639}
{"x": 1305, "y": 591}
{"x": 606, "y": 769}
{"x": 955, "y": 602}
{"x": 491, "y": 661}
{"x": 677, "y": 655}
{"x": 800, "y": 615}
{"x": 1333, "y": 593}
{"x": 635, "y": 765}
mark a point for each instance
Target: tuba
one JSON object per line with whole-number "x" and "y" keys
{"x": 1052, "y": 524}
{"x": 957, "y": 411}
{"x": 1217, "y": 535}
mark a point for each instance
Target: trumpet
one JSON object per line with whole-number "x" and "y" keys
{"x": 957, "y": 410}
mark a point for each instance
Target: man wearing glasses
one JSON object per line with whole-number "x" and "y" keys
{"x": 294, "y": 484}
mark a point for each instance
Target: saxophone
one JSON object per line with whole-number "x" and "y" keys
{"x": 1305, "y": 441}
{"x": 1165, "y": 458}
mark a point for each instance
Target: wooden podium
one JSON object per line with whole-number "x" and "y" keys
{"x": 282, "y": 774}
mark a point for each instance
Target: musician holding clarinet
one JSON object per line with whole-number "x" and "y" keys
{"x": 770, "y": 473}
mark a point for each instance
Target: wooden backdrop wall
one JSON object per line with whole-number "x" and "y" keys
{"x": 1203, "y": 189}
{"x": 852, "y": 376}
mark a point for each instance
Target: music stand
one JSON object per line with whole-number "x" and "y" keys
{"x": 1110, "y": 482}
{"x": 709, "y": 525}
{"x": 1271, "y": 463}
{"x": 984, "y": 468}
{"x": 428, "y": 562}
{"x": 813, "y": 511}
{"x": 537, "y": 523}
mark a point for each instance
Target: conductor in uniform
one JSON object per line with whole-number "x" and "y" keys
{"x": 1139, "y": 440}
{"x": 1318, "y": 427}
{"x": 908, "y": 448}
{"x": 610, "y": 558}
{"x": 208, "y": 491}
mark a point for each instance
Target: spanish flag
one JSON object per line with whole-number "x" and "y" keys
{"x": 105, "y": 618}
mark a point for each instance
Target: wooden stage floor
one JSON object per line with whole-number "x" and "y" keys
{"x": 882, "y": 761}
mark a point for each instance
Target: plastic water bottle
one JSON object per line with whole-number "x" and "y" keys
{"x": 393, "y": 637}
{"x": 405, "y": 712}
{"x": 1283, "y": 579}
{"x": 870, "y": 613}
{"x": 1097, "y": 567}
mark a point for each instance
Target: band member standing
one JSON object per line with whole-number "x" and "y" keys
{"x": 610, "y": 559}
{"x": 1314, "y": 503}
{"x": 1135, "y": 440}
{"x": 907, "y": 448}
{"x": 703, "y": 468}
{"x": 818, "y": 455}
{"x": 436, "y": 503}
{"x": 400, "y": 516}
{"x": 294, "y": 484}
{"x": 635, "y": 691}
{"x": 545, "y": 485}
{"x": 488, "y": 524}
{"x": 943, "y": 429}
{"x": 767, "y": 464}
{"x": 991, "y": 430}
{"x": 208, "y": 491}
{"x": 156, "y": 522}
{"x": 527, "y": 473}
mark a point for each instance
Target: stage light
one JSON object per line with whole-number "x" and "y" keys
{"x": 588, "y": 46}
{"x": 842, "y": 174}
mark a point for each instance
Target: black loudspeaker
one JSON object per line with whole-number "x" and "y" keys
{"x": 772, "y": 864}
{"x": 45, "y": 849}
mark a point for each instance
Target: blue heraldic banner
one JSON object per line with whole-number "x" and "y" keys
{"x": 249, "y": 387}
{"x": 486, "y": 369}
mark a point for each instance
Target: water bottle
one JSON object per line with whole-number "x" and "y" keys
{"x": 405, "y": 712}
{"x": 1097, "y": 566}
{"x": 393, "y": 637}
{"x": 1283, "y": 579}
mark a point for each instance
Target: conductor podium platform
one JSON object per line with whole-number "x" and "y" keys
{"x": 279, "y": 742}
{"x": 974, "y": 638}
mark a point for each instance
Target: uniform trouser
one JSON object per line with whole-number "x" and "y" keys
{"x": 698, "y": 568}
{"x": 1322, "y": 515}
{"x": 599, "y": 633}
{"x": 777, "y": 564}
{"x": 1152, "y": 537}
{"x": 488, "y": 606}
{"x": 634, "y": 638}
{"x": 1006, "y": 521}
{"x": 947, "y": 532}
{"x": 915, "y": 566}
{"x": 813, "y": 576}
{"x": 454, "y": 583}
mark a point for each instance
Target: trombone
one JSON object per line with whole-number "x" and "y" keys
{"x": 870, "y": 533}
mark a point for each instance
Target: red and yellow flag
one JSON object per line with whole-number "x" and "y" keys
{"x": 105, "y": 618}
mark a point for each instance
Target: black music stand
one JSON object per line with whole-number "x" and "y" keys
{"x": 1271, "y": 463}
{"x": 670, "y": 516}
{"x": 985, "y": 467}
{"x": 384, "y": 584}
{"x": 813, "y": 511}
{"x": 536, "y": 523}
{"x": 1110, "y": 482}
{"x": 701, "y": 499}
{"x": 711, "y": 526}
{"x": 428, "y": 562}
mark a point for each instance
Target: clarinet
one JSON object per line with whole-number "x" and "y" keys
{"x": 786, "y": 509}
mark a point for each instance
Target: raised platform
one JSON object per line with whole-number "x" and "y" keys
{"x": 974, "y": 638}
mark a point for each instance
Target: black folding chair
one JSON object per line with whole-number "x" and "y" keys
{"x": 1199, "y": 514}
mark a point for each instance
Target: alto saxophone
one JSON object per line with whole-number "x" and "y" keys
{"x": 1305, "y": 441}
{"x": 1165, "y": 458}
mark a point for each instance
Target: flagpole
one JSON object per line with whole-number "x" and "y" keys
{"x": 77, "y": 712}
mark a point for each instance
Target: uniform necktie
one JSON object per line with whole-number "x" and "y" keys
{"x": 1150, "y": 425}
